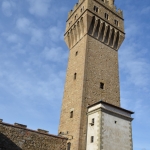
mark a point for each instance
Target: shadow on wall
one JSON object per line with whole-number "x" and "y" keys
{"x": 7, "y": 144}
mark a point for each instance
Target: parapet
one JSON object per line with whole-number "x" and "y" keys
{"x": 17, "y": 136}
{"x": 106, "y": 3}
{"x": 22, "y": 126}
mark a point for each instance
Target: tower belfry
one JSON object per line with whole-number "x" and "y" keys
{"x": 94, "y": 33}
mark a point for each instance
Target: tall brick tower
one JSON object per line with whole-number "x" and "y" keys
{"x": 94, "y": 33}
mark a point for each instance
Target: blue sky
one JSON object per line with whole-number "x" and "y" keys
{"x": 33, "y": 61}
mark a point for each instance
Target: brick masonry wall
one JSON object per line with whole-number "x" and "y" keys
{"x": 72, "y": 100}
{"x": 19, "y": 138}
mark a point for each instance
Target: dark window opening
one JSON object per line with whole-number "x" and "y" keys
{"x": 116, "y": 22}
{"x": 92, "y": 139}
{"x": 95, "y": 9}
{"x": 93, "y": 120}
{"x": 69, "y": 146}
{"x": 101, "y": 85}
{"x": 71, "y": 114}
{"x": 106, "y": 16}
{"x": 115, "y": 122}
{"x": 75, "y": 17}
{"x": 102, "y": 0}
{"x": 76, "y": 53}
{"x": 75, "y": 76}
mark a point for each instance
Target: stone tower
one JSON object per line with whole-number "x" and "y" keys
{"x": 94, "y": 33}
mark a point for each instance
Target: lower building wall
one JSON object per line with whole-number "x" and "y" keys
{"x": 19, "y": 138}
{"x": 109, "y": 128}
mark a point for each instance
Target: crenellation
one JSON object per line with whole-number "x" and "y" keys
{"x": 20, "y": 125}
{"x": 42, "y": 131}
{"x": 18, "y": 137}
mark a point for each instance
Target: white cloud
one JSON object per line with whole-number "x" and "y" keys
{"x": 37, "y": 36}
{"x": 54, "y": 54}
{"x": 56, "y": 33}
{"x": 13, "y": 38}
{"x": 26, "y": 26}
{"x": 7, "y": 7}
{"x": 135, "y": 65}
{"x": 23, "y": 24}
{"x": 39, "y": 7}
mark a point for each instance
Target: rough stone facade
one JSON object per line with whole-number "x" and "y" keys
{"x": 18, "y": 137}
{"x": 94, "y": 33}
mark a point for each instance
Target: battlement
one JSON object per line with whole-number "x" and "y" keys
{"x": 106, "y": 3}
{"x": 17, "y": 136}
{"x": 74, "y": 9}
{"x": 22, "y": 126}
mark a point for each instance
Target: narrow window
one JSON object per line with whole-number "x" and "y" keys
{"x": 68, "y": 146}
{"x": 95, "y": 9}
{"x": 70, "y": 23}
{"x": 101, "y": 85}
{"x": 75, "y": 76}
{"x": 115, "y": 122}
{"x": 75, "y": 16}
{"x": 102, "y": 0}
{"x": 106, "y": 16}
{"x": 76, "y": 53}
{"x": 116, "y": 22}
{"x": 93, "y": 121}
{"x": 71, "y": 114}
{"x": 92, "y": 139}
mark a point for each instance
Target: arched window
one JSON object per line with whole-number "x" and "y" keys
{"x": 69, "y": 146}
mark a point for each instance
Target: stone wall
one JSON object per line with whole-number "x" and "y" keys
{"x": 94, "y": 33}
{"x": 18, "y": 137}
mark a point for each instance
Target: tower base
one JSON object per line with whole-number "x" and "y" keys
{"x": 109, "y": 127}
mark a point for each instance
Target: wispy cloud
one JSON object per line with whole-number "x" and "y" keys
{"x": 39, "y": 7}
{"x": 7, "y": 7}
{"x": 56, "y": 33}
{"x": 55, "y": 54}
{"x": 23, "y": 24}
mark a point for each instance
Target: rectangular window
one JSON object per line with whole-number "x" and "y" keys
{"x": 75, "y": 76}
{"x": 68, "y": 146}
{"x": 76, "y": 53}
{"x": 75, "y": 16}
{"x": 106, "y": 16}
{"x": 116, "y": 22}
{"x": 95, "y": 8}
{"x": 71, "y": 114}
{"x": 92, "y": 139}
{"x": 93, "y": 121}
{"x": 101, "y": 85}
